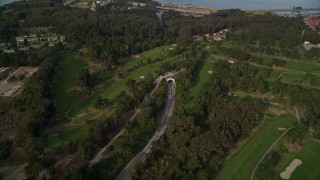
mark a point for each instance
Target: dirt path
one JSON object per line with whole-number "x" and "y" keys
{"x": 100, "y": 154}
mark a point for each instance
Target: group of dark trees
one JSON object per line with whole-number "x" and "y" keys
{"x": 28, "y": 58}
{"x": 313, "y": 54}
{"x": 198, "y": 138}
{"x": 35, "y": 106}
{"x": 242, "y": 55}
{"x": 87, "y": 79}
{"x": 29, "y": 113}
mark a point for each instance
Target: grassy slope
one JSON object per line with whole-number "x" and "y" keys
{"x": 152, "y": 54}
{"x": 65, "y": 83}
{"x": 117, "y": 88}
{"x": 202, "y": 79}
{"x": 309, "y": 169}
{"x": 241, "y": 164}
{"x": 68, "y": 134}
{"x": 293, "y": 78}
{"x": 302, "y": 66}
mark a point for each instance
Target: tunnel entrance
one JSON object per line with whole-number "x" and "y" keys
{"x": 170, "y": 79}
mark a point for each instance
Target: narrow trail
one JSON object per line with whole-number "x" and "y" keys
{"x": 100, "y": 155}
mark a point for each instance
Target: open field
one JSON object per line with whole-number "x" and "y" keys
{"x": 293, "y": 78}
{"x": 118, "y": 87}
{"x": 81, "y": 5}
{"x": 143, "y": 57}
{"x": 96, "y": 114}
{"x": 309, "y": 155}
{"x": 53, "y": 140}
{"x": 242, "y": 162}
{"x": 303, "y": 66}
{"x": 65, "y": 83}
{"x": 202, "y": 79}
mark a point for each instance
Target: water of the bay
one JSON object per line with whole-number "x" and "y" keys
{"x": 249, "y": 4}
{"x": 3, "y": 2}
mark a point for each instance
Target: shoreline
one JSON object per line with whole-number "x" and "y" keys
{"x": 214, "y": 9}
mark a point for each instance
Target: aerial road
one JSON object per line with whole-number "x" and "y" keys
{"x": 99, "y": 156}
{"x": 163, "y": 123}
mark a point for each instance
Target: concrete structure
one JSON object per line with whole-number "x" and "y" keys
{"x": 168, "y": 79}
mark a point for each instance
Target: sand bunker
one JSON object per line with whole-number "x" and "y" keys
{"x": 290, "y": 169}
{"x": 141, "y": 77}
{"x": 210, "y": 72}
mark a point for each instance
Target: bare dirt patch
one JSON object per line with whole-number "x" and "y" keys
{"x": 277, "y": 111}
{"x": 292, "y": 146}
{"x": 24, "y": 71}
{"x": 135, "y": 56}
{"x": 8, "y": 88}
{"x": 290, "y": 169}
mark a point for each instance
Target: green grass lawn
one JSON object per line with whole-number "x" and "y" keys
{"x": 241, "y": 164}
{"x": 310, "y": 157}
{"x": 80, "y": 5}
{"x": 65, "y": 83}
{"x": 100, "y": 114}
{"x": 120, "y": 86}
{"x": 117, "y": 88}
{"x": 202, "y": 79}
{"x": 266, "y": 60}
{"x": 67, "y": 134}
{"x": 152, "y": 54}
{"x": 302, "y": 66}
{"x": 275, "y": 74}
{"x": 293, "y": 78}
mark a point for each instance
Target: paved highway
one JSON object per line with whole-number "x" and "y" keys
{"x": 99, "y": 156}
{"x": 167, "y": 114}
